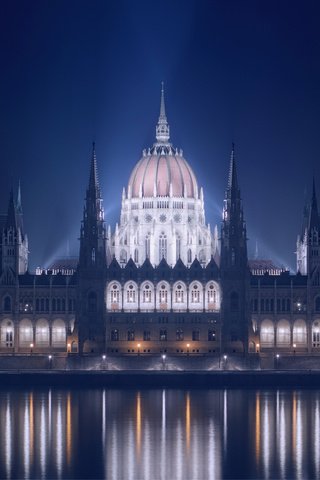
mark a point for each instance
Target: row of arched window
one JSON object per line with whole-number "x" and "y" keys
{"x": 163, "y": 296}
{"x": 161, "y": 335}
{"x": 38, "y": 335}
{"x": 26, "y": 305}
{"x": 282, "y": 305}
{"x": 284, "y": 334}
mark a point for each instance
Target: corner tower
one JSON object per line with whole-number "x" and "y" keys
{"x": 92, "y": 268}
{"x": 14, "y": 251}
{"x": 234, "y": 267}
{"x": 308, "y": 242}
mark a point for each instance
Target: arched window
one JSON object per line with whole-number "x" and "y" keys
{"x": 299, "y": 336}
{"x": 202, "y": 256}
{"x": 283, "y": 333}
{"x": 114, "y": 294}
{"x": 179, "y": 297}
{"x": 234, "y": 302}
{"x": 147, "y": 246}
{"x": 316, "y": 334}
{"x": 146, "y": 294}
{"x": 163, "y": 294}
{"x": 178, "y": 247}
{"x": 195, "y": 294}
{"x": 131, "y": 294}
{"x": 162, "y": 246}
{"x": 136, "y": 255}
{"x": 7, "y": 334}
{"x": 25, "y": 333}
{"x": 123, "y": 256}
{"x": 267, "y": 334}
{"x": 92, "y": 302}
{"x": 189, "y": 256}
{"x": 93, "y": 256}
{"x": 58, "y": 333}
{"x": 212, "y": 295}
{"x": 7, "y": 304}
{"x": 42, "y": 333}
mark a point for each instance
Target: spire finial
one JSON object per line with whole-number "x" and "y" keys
{"x": 93, "y": 180}
{"x": 162, "y": 129}
{"x": 232, "y": 181}
{"x": 19, "y": 205}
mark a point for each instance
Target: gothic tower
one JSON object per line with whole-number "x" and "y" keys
{"x": 234, "y": 267}
{"x": 14, "y": 248}
{"x": 308, "y": 243}
{"x": 92, "y": 268}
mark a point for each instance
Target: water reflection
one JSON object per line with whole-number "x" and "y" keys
{"x": 164, "y": 434}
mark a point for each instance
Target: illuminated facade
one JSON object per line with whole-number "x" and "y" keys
{"x": 162, "y": 282}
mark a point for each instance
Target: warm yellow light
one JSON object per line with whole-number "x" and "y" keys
{"x": 31, "y": 345}
{"x": 258, "y": 345}
{"x": 69, "y": 345}
{"x": 139, "y": 345}
{"x": 294, "y": 345}
{"x": 188, "y": 345}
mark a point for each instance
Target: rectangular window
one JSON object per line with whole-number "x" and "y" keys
{"x": 196, "y": 335}
{"x": 130, "y": 335}
{"x": 211, "y": 335}
{"x": 163, "y": 335}
{"x": 146, "y": 335}
{"x": 179, "y": 334}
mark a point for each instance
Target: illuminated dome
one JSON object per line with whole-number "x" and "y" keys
{"x": 162, "y": 210}
{"x": 163, "y": 172}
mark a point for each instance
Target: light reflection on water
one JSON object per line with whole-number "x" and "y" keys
{"x": 153, "y": 434}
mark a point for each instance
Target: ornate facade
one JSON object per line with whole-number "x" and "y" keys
{"x": 162, "y": 282}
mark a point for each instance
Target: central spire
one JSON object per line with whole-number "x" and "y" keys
{"x": 162, "y": 129}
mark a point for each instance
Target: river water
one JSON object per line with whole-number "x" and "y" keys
{"x": 159, "y": 434}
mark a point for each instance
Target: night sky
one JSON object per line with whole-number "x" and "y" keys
{"x": 238, "y": 71}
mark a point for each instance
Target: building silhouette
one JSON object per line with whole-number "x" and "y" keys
{"x": 162, "y": 282}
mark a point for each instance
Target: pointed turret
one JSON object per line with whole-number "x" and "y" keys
{"x": 11, "y": 215}
{"x": 308, "y": 242}
{"x": 313, "y": 213}
{"x": 93, "y": 232}
{"x": 162, "y": 129}
{"x": 14, "y": 242}
{"x": 234, "y": 266}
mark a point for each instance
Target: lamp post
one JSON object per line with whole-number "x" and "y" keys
{"x": 258, "y": 347}
{"x": 69, "y": 348}
{"x": 31, "y": 348}
{"x": 188, "y": 346}
{"x": 225, "y": 358}
{"x": 277, "y": 360}
{"x": 104, "y": 365}
{"x": 50, "y": 361}
{"x": 139, "y": 348}
{"x": 294, "y": 349}
{"x": 163, "y": 362}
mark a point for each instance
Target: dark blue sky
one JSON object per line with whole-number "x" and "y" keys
{"x": 234, "y": 70}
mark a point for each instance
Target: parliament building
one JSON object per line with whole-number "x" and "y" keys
{"x": 162, "y": 282}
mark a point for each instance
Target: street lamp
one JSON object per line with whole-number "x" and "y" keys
{"x": 139, "y": 348}
{"x": 294, "y": 348}
{"x": 163, "y": 361}
{"x": 50, "y": 361}
{"x": 69, "y": 347}
{"x": 258, "y": 347}
{"x": 188, "y": 346}
{"x": 277, "y": 359}
{"x": 104, "y": 356}
{"x": 31, "y": 348}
